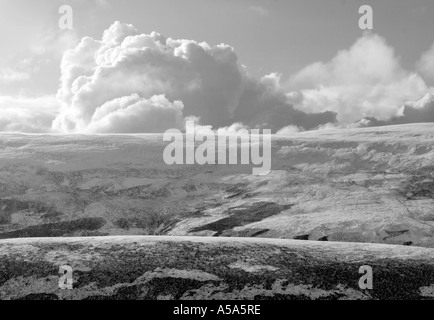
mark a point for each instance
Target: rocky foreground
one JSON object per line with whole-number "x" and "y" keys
{"x": 163, "y": 267}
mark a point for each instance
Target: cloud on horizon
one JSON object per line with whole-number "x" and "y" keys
{"x": 208, "y": 80}
{"x": 366, "y": 80}
{"x": 29, "y": 115}
{"x": 130, "y": 82}
{"x": 413, "y": 112}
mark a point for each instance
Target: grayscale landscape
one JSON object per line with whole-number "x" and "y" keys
{"x": 216, "y": 150}
{"x": 208, "y": 268}
{"x": 334, "y": 200}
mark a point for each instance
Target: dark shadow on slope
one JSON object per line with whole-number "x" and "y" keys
{"x": 10, "y": 206}
{"x": 241, "y": 216}
{"x": 56, "y": 229}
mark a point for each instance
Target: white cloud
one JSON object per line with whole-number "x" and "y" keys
{"x": 259, "y": 10}
{"x": 232, "y": 129}
{"x": 418, "y": 111}
{"x": 209, "y": 81}
{"x": 12, "y": 75}
{"x": 289, "y": 130}
{"x": 133, "y": 82}
{"x": 206, "y": 79}
{"x": 20, "y": 114}
{"x": 364, "y": 81}
{"x": 133, "y": 114}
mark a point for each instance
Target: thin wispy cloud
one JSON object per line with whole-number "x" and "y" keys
{"x": 260, "y": 10}
{"x": 13, "y": 75}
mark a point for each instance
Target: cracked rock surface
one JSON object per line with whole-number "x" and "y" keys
{"x": 162, "y": 267}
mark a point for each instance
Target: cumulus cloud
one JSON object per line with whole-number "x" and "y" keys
{"x": 131, "y": 82}
{"x": 289, "y": 129}
{"x": 232, "y": 129}
{"x": 208, "y": 81}
{"x": 264, "y": 104}
{"x": 363, "y": 81}
{"x": 413, "y": 112}
{"x": 133, "y": 114}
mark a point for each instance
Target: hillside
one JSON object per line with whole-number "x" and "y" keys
{"x": 352, "y": 185}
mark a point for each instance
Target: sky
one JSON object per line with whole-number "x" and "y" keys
{"x": 284, "y": 65}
